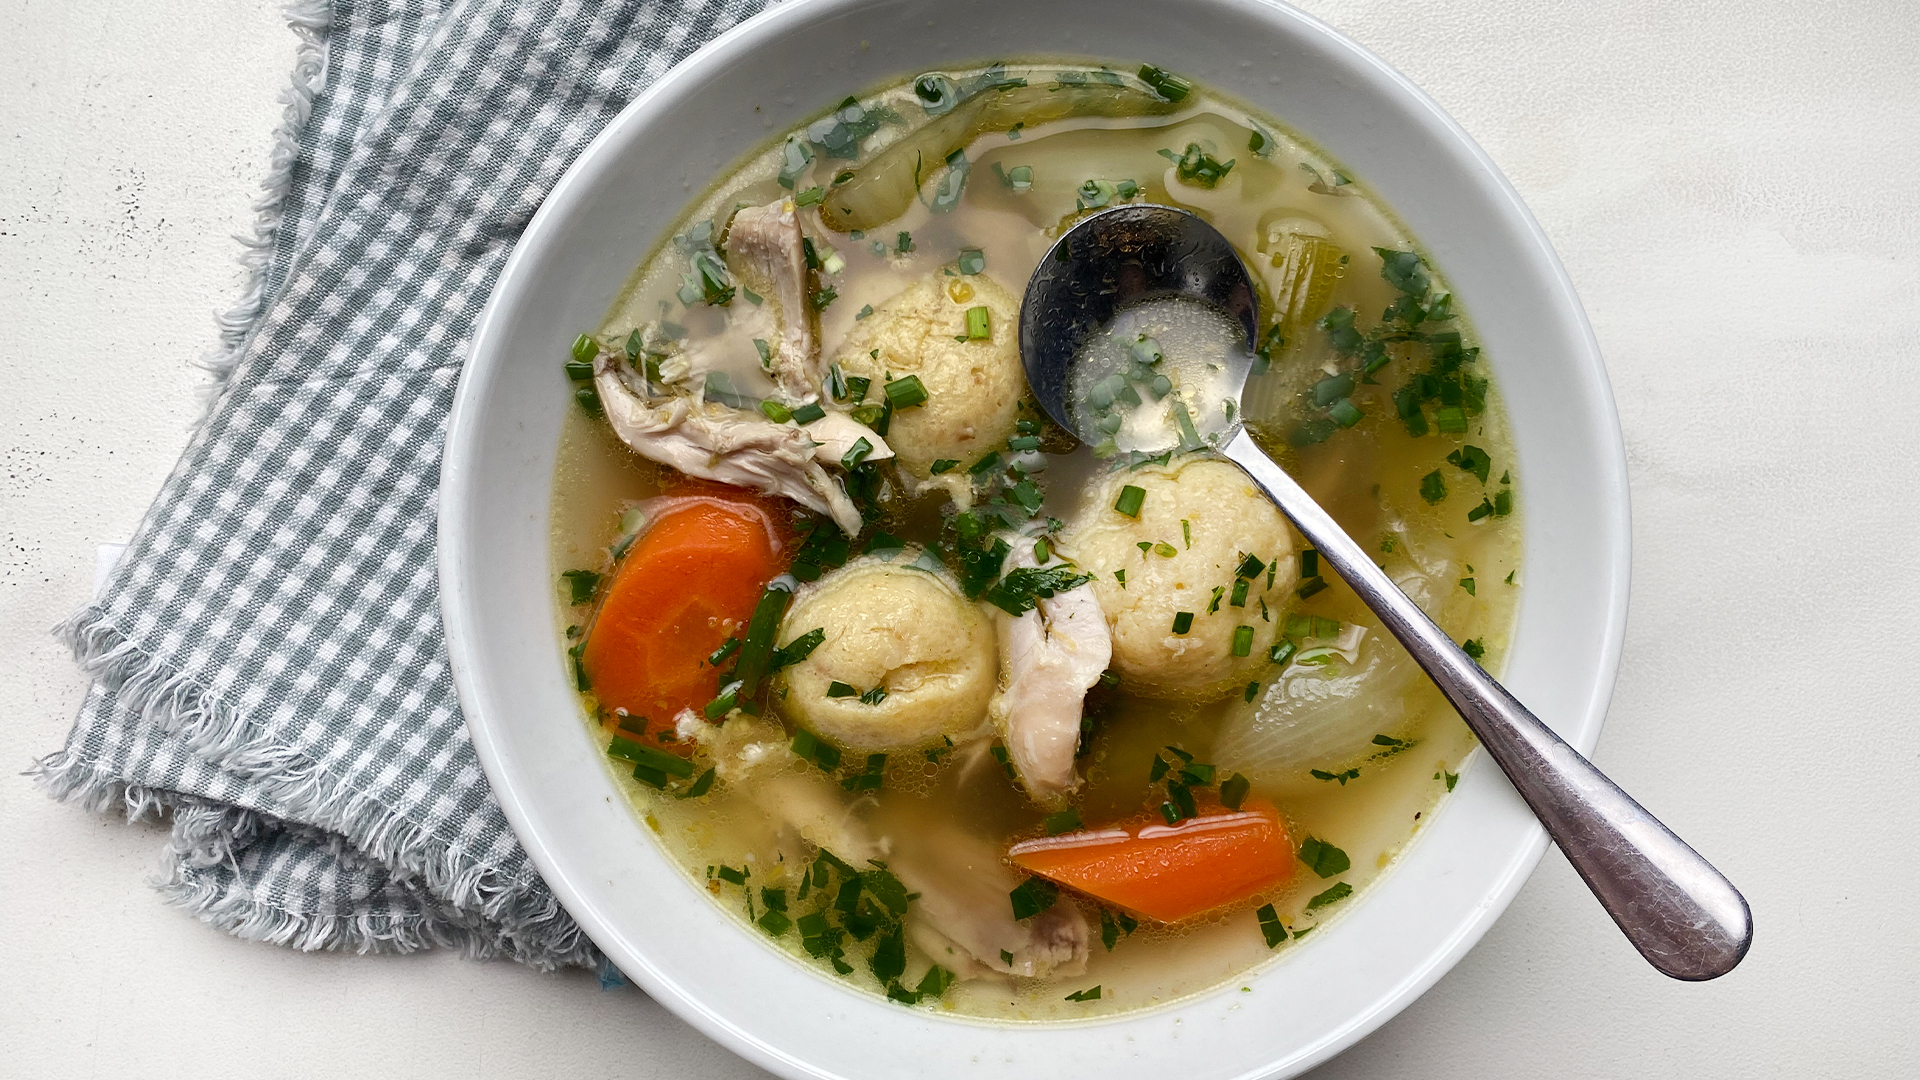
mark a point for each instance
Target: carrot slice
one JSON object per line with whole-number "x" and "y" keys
{"x": 687, "y": 584}
{"x": 1169, "y": 872}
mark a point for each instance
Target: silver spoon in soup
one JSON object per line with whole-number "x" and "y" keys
{"x": 1122, "y": 266}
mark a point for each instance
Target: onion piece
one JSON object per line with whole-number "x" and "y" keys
{"x": 883, "y": 188}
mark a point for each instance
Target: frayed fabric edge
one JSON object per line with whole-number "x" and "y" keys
{"x": 309, "y": 20}
{"x": 206, "y": 833}
{"x": 510, "y": 917}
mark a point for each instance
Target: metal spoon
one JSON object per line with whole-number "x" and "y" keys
{"x": 1684, "y": 916}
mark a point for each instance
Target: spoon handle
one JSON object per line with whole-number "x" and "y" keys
{"x": 1684, "y": 916}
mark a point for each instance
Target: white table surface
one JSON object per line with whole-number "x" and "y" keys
{"x": 1735, "y": 188}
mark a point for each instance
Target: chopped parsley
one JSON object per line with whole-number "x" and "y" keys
{"x": 1032, "y": 897}
{"x": 1234, "y": 790}
{"x": 1061, "y": 821}
{"x": 1270, "y": 926}
{"x": 1334, "y": 895}
{"x": 1323, "y": 858}
{"x": 580, "y": 585}
{"x": 1433, "y": 487}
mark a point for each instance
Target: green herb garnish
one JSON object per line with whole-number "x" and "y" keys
{"x": 1032, "y": 897}
{"x": 1323, "y": 858}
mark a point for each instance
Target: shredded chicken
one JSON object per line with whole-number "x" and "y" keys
{"x": 963, "y": 884}
{"x": 728, "y": 445}
{"x": 765, "y": 243}
{"x": 1049, "y": 658}
{"x": 961, "y": 917}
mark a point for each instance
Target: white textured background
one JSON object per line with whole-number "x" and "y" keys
{"x": 1735, "y": 188}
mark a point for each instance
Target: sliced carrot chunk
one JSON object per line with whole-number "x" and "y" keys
{"x": 1169, "y": 872}
{"x": 688, "y": 583}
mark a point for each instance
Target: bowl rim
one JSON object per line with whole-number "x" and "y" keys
{"x": 460, "y": 484}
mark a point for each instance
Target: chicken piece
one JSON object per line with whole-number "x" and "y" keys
{"x": 961, "y": 918}
{"x": 963, "y": 909}
{"x": 768, "y": 250}
{"x": 836, "y": 433}
{"x": 731, "y": 446}
{"x": 1049, "y": 658}
{"x": 752, "y": 755}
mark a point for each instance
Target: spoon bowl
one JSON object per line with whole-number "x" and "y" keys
{"x": 1114, "y": 260}
{"x": 1683, "y": 915}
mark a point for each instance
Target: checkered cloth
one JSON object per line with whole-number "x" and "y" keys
{"x": 268, "y": 663}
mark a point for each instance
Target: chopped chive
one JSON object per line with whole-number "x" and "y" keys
{"x": 1061, "y": 821}
{"x": 1309, "y": 563}
{"x": 774, "y": 922}
{"x": 1467, "y": 584}
{"x": 732, "y": 876}
{"x": 1121, "y": 577}
{"x": 1091, "y": 993}
{"x": 727, "y": 648}
{"x": 584, "y": 349}
{"x": 728, "y": 700}
{"x": 765, "y": 350}
{"x": 1484, "y": 510}
{"x": 1242, "y": 641}
{"x": 1282, "y": 651}
{"x": 944, "y": 465}
{"x": 1473, "y": 647}
{"x": 1186, "y": 533}
{"x": 776, "y": 412}
{"x": 1239, "y": 597}
{"x": 1323, "y": 627}
{"x": 1219, "y": 593}
{"x": 1510, "y": 574}
{"x": 1024, "y": 442}
{"x": 979, "y": 324}
{"x": 1310, "y": 587}
{"x": 1343, "y": 777}
{"x": 1234, "y": 791}
{"x": 856, "y": 454}
{"x": 808, "y": 413}
{"x": 857, "y": 386}
{"x": 1168, "y": 85}
{"x": 1452, "y": 778}
{"x": 865, "y": 310}
{"x": 1451, "y": 419}
{"x": 1042, "y": 551}
{"x": 1253, "y": 691}
{"x": 810, "y": 196}
{"x": 700, "y": 787}
{"x": 985, "y": 465}
{"x": 1345, "y": 413}
{"x": 1270, "y": 927}
{"x": 972, "y": 261}
{"x": 1502, "y": 503}
{"x": 1130, "y": 500}
{"x": 1182, "y": 622}
{"x": 903, "y": 243}
{"x": 1250, "y": 567}
{"x": 906, "y": 392}
{"x": 1032, "y": 897}
{"x": 579, "y": 371}
{"x": 1165, "y": 550}
{"x": 874, "y": 696}
{"x": 1433, "y": 487}
{"x": 838, "y": 689}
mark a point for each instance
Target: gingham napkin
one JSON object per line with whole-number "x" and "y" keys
{"x": 268, "y": 662}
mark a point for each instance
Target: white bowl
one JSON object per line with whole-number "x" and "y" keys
{"x": 769, "y": 74}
